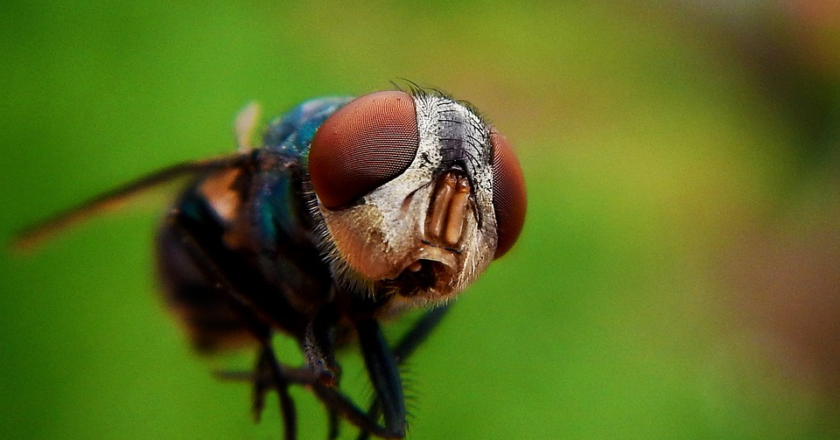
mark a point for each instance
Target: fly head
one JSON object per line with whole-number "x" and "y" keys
{"x": 415, "y": 195}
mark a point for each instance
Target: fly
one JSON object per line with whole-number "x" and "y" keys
{"x": 351, "y": 212}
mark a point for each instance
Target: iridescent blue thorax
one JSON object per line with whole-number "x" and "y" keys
{"x": 280, "y": 198}
{"x": 292, "y": 133}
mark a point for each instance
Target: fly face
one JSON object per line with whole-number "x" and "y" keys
{"x": 416, "y": 196}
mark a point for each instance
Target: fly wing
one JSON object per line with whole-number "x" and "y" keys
{"x": 131, "y": 193}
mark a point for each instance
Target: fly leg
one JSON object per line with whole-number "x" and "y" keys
{"x": 319, "y": 350}
{"x": 379, "y": 361}
{"x": 268, "y": 362}
{"x": 205, "y": 254}
{"x": 319, "y": 346}
{"x": 339, "y": 404}
{"x": 382, "y": 370}
{"x": 381, "y": 367}
{"x": 406, "y": 346}
{"x": 334, "y": 424}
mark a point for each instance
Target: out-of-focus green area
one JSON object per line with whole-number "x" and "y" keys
{"x": 679, "y": 272}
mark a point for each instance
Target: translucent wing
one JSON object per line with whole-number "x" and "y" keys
{"x": 36, "y": 234}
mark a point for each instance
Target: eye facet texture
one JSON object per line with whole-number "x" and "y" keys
{"x": 362, "y": 146}
{"x": 509, "y": 198}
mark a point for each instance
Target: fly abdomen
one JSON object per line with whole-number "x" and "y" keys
{"x": 211, "y": 323}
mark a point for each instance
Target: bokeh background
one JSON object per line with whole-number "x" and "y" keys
{"x": 679, "y": 271}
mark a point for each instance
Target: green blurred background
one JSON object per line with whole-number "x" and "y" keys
{"x": 679, "y": 271}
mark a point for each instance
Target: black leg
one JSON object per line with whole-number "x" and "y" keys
{"x": 260, "y": 379}
{"x": 287, "y": 405}
{"x": 267, "y": 361}
{"x": 405, "y": 348}
{"x": 319, "y": 346}
{"x": 340, "y": 404}
{"x": 383, "y": 373}
{"x": 294, "y": 376}
{"x": 337, "y": 404}
{"x": 334, "y": 425}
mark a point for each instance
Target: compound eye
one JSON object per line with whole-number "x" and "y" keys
{"x": 509, "y": 199}
{"x": 362, "y": 146}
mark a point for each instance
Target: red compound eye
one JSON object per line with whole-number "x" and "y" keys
{"x": 509, "y": 199}
{"x": 363, "y": 145}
